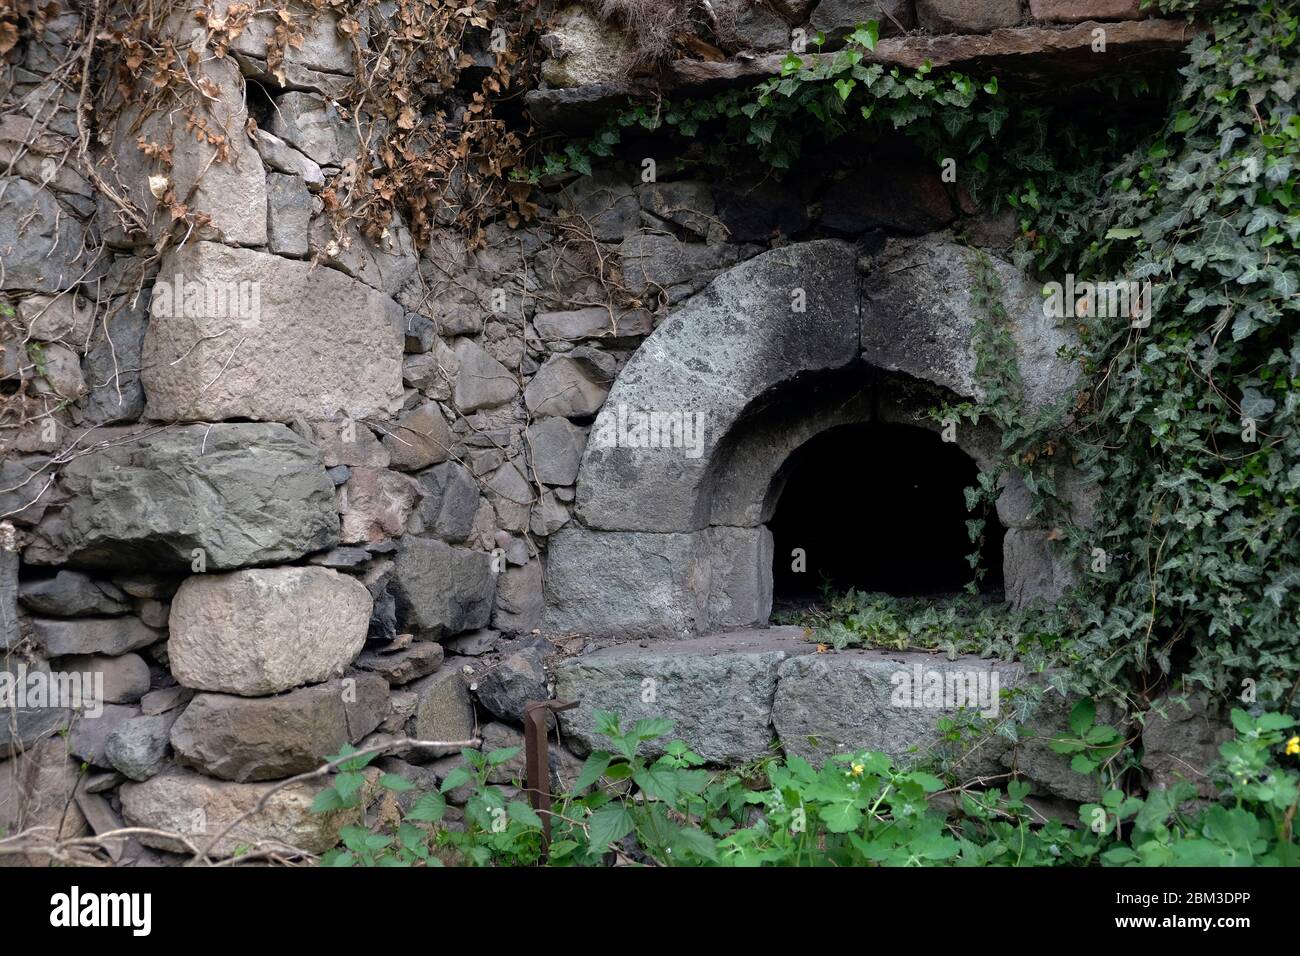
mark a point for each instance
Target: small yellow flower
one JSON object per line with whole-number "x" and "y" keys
{"x": 857, "y": 769}
{"x": 1293, "y": 747}
{"x": 823, "y": 648}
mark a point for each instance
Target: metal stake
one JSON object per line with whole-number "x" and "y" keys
{"x": 537, "y": 755}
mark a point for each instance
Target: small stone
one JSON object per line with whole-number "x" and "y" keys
{"x": 88, "y": 737}
{"x": 126, "y": 678}
{"x": 968, "y": 16}
{"x": 519, "y": 599}
{"x": 37, "y": 790}
{"x": 685, "y": 203}
{"x": 347, "y": 443}
{"x": 838, "y": 18}
{"x": 512, "y": 497}
{"x": 72, "y": 594}
{"x": 92, "y": 635}
{"x": 481, "y": 381}
{"x": 154, "y": 614}
{"x": 498, "y": 736}
{"x": 22, "y": 726}
{"x": 568, "y": 386}
{"x": 421, "y": 438}
{"x": 101, "y": 818}
{"x": 1078, "y": 11}
{"x": 283, "y": 158}
{"x": 103, "y": 781}
{"x": 185, "y": 802}
{"x": 112, "y": 364}
{"x": 168, "y": 698}
{"x": 762, "y": 30}
{"x": 339, "y": 474}
{"x": 473, "y": 644}
{"x": 424, "y": 781}
{"x": 421, "y": 333}
{"x": 313, "y": 126}
{"x": 557, "y": 446}
{"x": 589, "y": 50}
{"x": 401, "y": 708}
{"x": 141, "y": 585}
{"x": 65, "y": 318}
{"x": 341, "y": 558}
{"x": 441, "y": 590}
{"x": 10, "y": 631}
{"x": 289, "y": 212}
{"x": 652, "y": 260}
{"x": 139, "y": 748}
{"x": 508, "y": 683}
{"x": 548, "y": 515}
{"x": 418, "y": 660}
{"x": 450, "y": 498}
{"x": 375, "y": 504}
{"x": 592, "y": 323}
{"x": 458, "y": 318}
{"x": 605, "y": 203}
{"x": 1180, "y": 741}
{"x": 444, "y": 711}
{"x": 60, "y": 371}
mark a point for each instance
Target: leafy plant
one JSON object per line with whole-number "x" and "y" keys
{"x": 856, "y": 810}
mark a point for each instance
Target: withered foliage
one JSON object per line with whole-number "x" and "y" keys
{"x": 430, "y": 76}
{"x": 430, "y": 81}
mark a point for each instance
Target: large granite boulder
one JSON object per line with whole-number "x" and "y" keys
{"x": 919, "y": 318}
{"x": 635, "y": 584}
{"x": 885, "y": 701}
{"x": 717, "y": 690}
{"x": 196, "y": 808}
{"x": 241, "y": 493}
{"x": 242, "y": 334}
{"x": 266, "y": 630}
{"x": 267, "y": 738}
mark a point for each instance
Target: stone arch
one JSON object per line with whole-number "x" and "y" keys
{"x": 670, "y": 541}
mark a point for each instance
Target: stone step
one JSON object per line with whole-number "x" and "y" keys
{"x": 738, "y": 696}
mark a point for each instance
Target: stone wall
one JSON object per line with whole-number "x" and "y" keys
{"x": 286, "y": 490}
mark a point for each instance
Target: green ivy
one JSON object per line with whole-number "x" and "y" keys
{"x": 1203, "y": 521}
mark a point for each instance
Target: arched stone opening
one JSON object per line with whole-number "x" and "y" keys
{"x": 681, "y": 473}
{"x": 878, "y": 507}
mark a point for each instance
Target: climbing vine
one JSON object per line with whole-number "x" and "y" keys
{"x": 1191, "y": 424}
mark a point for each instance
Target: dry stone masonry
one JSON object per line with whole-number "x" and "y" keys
{"x": 284, "y": 493}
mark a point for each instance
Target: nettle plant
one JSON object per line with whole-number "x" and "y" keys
{"x": 862, "y": 809}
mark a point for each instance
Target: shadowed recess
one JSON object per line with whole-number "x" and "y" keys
{"x": 879, "y": 507}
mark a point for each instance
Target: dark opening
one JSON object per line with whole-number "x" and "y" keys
{"x": 880, "y": 507}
